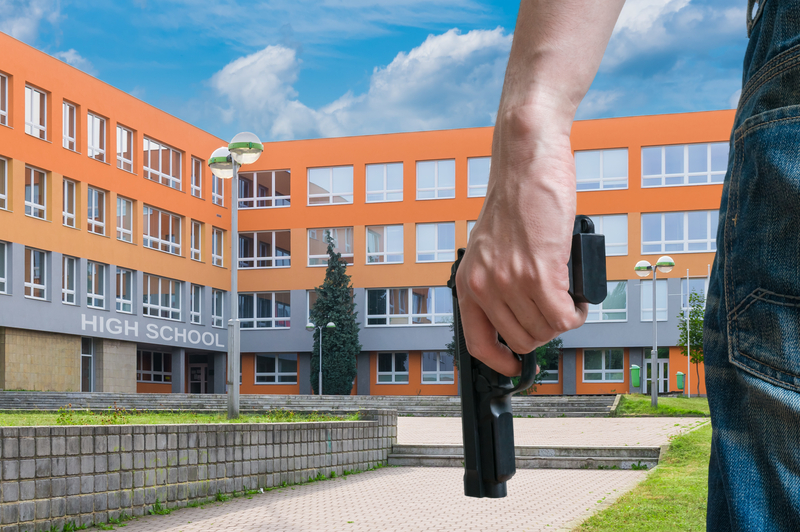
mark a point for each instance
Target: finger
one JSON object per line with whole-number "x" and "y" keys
{"x": 481, "y": 339}
{"x": 532, "y": 321}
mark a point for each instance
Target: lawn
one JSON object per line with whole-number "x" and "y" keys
{"x": 119, "y": 416}
{"x": 673, "y": 497}
{"x": 639, "y": 405}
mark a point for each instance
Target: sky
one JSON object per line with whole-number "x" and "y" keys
{"x": 293, "y": 69}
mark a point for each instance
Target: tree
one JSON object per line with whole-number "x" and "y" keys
{"x": 340, "y": 346}
{"x": 697, "y": 302}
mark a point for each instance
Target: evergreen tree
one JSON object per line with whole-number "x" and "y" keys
{"x": 340, "y": 345}
{"x": 697, "y": 302}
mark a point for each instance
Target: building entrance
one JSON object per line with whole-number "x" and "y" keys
{"x": 198, "y": 378}
{"x": 662, "y": 376}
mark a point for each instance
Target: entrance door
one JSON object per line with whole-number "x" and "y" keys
{"x": 663, "y": 376}
{"x": 198, "y": 375}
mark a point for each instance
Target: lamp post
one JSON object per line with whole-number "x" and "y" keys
{"x": 310, "y": 327}
{"x": 245, "y": 148}
{"x": 643, "y": 268}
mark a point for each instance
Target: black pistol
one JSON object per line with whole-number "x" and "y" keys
{"x": 486, "y": 416}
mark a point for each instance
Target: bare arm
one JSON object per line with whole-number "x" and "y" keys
{"x": 514, "y": 279}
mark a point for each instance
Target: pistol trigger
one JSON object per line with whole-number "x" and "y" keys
{"x": 482, "y": 385}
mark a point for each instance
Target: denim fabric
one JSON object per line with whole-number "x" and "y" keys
{"x": 752, "y": 335}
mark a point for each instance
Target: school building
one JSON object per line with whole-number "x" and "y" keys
{"x": 127, "y": 288}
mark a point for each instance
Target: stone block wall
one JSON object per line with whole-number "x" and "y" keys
{"x": 115, "y": 366}
{"x": 85, "y": 475}
{"x": 42, "y": 361}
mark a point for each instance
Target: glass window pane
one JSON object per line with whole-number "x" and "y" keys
{"x": 343, "y": 180}
{"x": 376, "y": 302}
{"x": 384, "y": 362}
{"x": 447, "y": 174}
{"x": 375, "y": 177}
{"x": 617, "y": 295}
{"x": 426, "y": 174}
{"x": 615, "y": 228}
{"x": 698, "y": 157}
{"x": 651, "y": 227}
{"x": 394, "y": 236}
{"x": 592, "y": 359}
{"x": 651, "y": 161}
{"x": 719, "y": 156}
{"x": 587, "y": 165}
{"x": 319, "y": 180}
{"x": 445, "y": 362}
{"x": 698, "y": 225}
{"x": 401, "y": 362}
{"x": 479, "y": 171}
{"x": 426, "y": 237}
{"x": 429, "y": 361}
{"x": 673, "y": 229}
{"x": 394, "y": 176}
{"x": 615, "y": 163}
{"x": 614, "y": 359}
{"x": 444, "y": 300}
{"x": 674, "y": 159}
{"x": 447, "y": 236}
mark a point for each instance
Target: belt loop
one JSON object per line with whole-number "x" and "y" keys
{"x": 752, "y": 18}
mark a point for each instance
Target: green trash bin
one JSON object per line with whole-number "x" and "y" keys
{"x": 681, "y": 376}
{"x": 636, "y": 373}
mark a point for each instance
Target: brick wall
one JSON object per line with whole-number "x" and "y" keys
{"x": 43, "y": 361}
{"x": 86, "y": 475}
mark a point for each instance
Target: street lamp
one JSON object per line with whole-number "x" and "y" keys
{"x": 245, "y": 148}
{"x": 643, "y": 268}
{"x": 310, "y": 327}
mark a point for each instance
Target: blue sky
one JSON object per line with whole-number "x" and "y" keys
{"x": 289, "y": 69}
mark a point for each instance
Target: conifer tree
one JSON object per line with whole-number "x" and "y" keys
{"x": 340, "y": 346}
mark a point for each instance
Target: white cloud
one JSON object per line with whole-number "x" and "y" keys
{"x": 72, "y": 57}
{"x": 598, "y": 103}
{"x": 733, "y": 101}
{"x": 450, "y": 80}
{"x": 21, "y": 18}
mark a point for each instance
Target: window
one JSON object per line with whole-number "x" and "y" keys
{"x": 688, "y": 164}
{"x": 478, "y": 176}
{"x": 428, "y": 306}
{"x": 437, "y": 367}
{"x": 152, "y": 366}
{"x": 646, "y": 288}
{"x": 318, "y": 246}
{"x": 162, "y": 230}
{"x": 603, "y": 365}
{"x": 262, "y": 190}
{"x": 35, "y": 113}
{"x": 311, "y": 299}
{"x": 3, "y": 100}
{"x": 87, "y": 365}
{"x": 615, "y": 229}
{"x": 217, "y": 191}
{"x": 436, "y": 242}
{"x": 35, "y": 192}
{"x": 197, "y": 177}
{"x": 330, "y": 185}
{"x": 124, "y": 290}
{"x": 699, "y": 285}
{"x": 96, "y": 129}
{"x": 197, "y": 240}
{"x": 265, "y": 249}
{"x": 392, "y": 368}
{"x": 95, "y": 285}
{"x": 68, "y": 203}
{"x": 614, "y": 307}
{"x": 195, "y": 309}
{"x": 436, "y": 179}
{"x": 276, "y": 369}
{"x": 124, "y": 219}
{"x": 216, "y": 308}
{"x": 161, "y": 164}
{"x": 217, "y": 246}
{"x": 601, "y": 169}
{"x": 470, "y": 227}
{"x": 549, "y": 367}
{"x": 124, "y": 149}
{"x": 35, "y": 274}
{"x": 69, "y": 113}
{"x": 3, "y": 183}
{"x": 68, "y": 280}
{"x": 3, "y": 274}
{"x": 682, "y": 232}
{"x": 384, "y": 182}
{"x": 162, "y": 297}
{"x": 264, "y": 310}
{"x": 96, "y": 217}
{"x": 384, "y": 244}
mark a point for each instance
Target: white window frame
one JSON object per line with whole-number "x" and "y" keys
{"x": 196, "y": 245}
{"x": 670, "y": 246}
{"x": 124, "y": 279}
{"x": 330, "y": 195}
{"x": 158, "y": 309}
{"x": 470, "y": 227}
{"x": 3, "y": 268}
{"x": 270, "y": 323}
{"x": 3, "y": 99}
{"x": 3, "y": 183}
{"x": 321, "y": 261}
{"x": 477, "y": 190}
{"x": 612, "y": 248}
{"x": 156, "y": 242}
{"x": 124, "y": 234}
{"x": 96, "y": 211}
{"x": 602, "y": 182}
{"x": 96, "y": 137}
{"x": 277, "y": 374}
{"x": 156, "y": 376}
{"x": 439, "y": 191}
{"x": 257, "y": 261}
{"x": 256, "y": 201}
{"x": 308, "y": 303}
{"x": 68, "y": 210}
{"x": 439, "y": 255}
{"x": 406, "y": 317}
{"x": 385, "y": 256}
{"x": 598, "y": 313}
{"x": 710, "y": 177}
{"x": 197, "y": 177}
{"x": 548, "y": 378}
{"x": 662, "y": 312}
{"x": 35, "y": 116}
{"x": 95, "y": 285}
{"x": 217, "y": 308}
{"x": 69, "y": 294}
{"x": 384, "y": 194}
{"x": 604, "y": 371}
{"x": 395, "y": 377}
{"x": 69, "y": 117}
{"x": 196, "y": 305}
{"x": 33, "y": 209}
{"x": 439, "y": 375}
{"x": 124, "y": 146}
{"x": 158, "y": 174}
{"x": 218, "y": 247}
{"x": 217, "y": 190}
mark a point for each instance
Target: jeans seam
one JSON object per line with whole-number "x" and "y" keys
{"x": 783, "y": 62}
{"x": 742, "y": 133}
{"x": 758, "y": 295}
{"x": 764, "y": 376}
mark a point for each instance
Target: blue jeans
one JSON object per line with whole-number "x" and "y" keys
{"x": 752, "y": 320}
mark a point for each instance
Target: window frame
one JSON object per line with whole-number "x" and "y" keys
{"x": 95, "y": 278}
{"x": 477, "y": 191}
{"x": 285, "y": 260}
{"x": 217, "y": 190}
{"x": 218, "y": 247}
{"x": 69, "y": 219}
{"x": 277, "y": 201}
{"x": 39, "y": 130}
{"x": 196, "y": 241}
{"x": 165, "y": 376}
{"x": 435, "y": 317}
{"x": 156, "y": 242}
{"x": 686, "y": 175}
{"x": 158, "y": 309}
{"x": 96, "y": 136}
{"x": 470, "y": 227}
{"x": 197, "y": 177}
{"x": 196, "y": 304}
{"x": 165, "y": 178}
{"x": 660, "y": 311}
{"x": 122, "y": 231}
{"x": 122, "y": 161}
{"x": 604, "y": 370}
{"x": 438, "y": 373}
{"x": 329, "y": 194}
{"x": 385, "y": 255}
{"x": 385, "y": 191}
{"x": 601, "y": 311}
{"x": 710, "y": 241}
{"x": 69, "y": 293}
{"x": 124, "y": 304}
{"x": 4, "y": 267}
{"x": 69, "y": 127}
{"x": 602, "y": 181}
{"x": 96, "y": 201}
{"x": 685, "y": 292}
{"x": 436, "y": 189}
{"x": 32, "y": 208}
{"x": 277, "y": 374}
{"x": 440, "y": 255}
{"x": 31, "y": 286}
{"x": 274, "y": 319}
{"x": 3, "y": 99}
{"x": 217, "y": 308}
{"x": 3, "y": 183}
{"x": 393, "y": 374}
{"x": 323, "y": 258}
{"x": 600, "y": 228}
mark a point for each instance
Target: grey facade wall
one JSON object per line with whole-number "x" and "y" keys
{"x": 363, "y": 375}
{"x": 568, "y": 373}
{"x": 87, "y": 475}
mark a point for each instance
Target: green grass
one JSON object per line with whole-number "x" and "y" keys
{"x": 639, "y": 405}
{"x": 673, "y": 497}
{"x": 119, "y": 416}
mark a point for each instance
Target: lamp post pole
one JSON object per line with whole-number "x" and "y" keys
{"x": 688, "y": 337}
{"x": 310, "y": 327}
